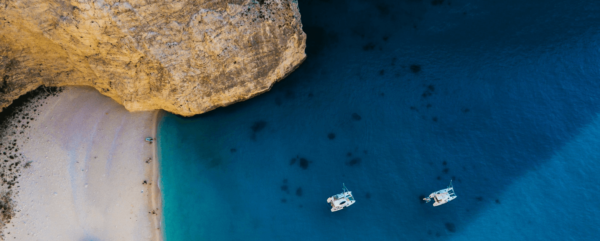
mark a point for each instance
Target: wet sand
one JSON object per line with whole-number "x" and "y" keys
{"x": 89, "y": 175}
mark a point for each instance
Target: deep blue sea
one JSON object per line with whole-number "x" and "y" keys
{"x": 395, "y": 99}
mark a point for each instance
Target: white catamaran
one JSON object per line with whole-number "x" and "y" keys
{"x": 342, "y": 200}
{"x": 442, "y": 196}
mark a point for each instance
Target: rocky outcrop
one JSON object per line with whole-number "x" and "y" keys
{"x": 186, "y": 57}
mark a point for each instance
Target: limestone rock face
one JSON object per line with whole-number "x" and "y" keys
{"x": 186, "y": 57}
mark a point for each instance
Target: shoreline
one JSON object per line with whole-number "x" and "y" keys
{"x": 155, "y": 192}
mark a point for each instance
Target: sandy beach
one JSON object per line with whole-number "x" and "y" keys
{"x": 88, "y": 174}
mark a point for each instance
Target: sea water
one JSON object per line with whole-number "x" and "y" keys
{"x": 395, "y": 99}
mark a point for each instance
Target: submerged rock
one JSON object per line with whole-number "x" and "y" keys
{"x": 186, "y": 57}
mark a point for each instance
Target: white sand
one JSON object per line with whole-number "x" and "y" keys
{"x": 86, "y": 177}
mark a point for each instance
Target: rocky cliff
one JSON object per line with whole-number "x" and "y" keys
{"x": 186, "y": 57}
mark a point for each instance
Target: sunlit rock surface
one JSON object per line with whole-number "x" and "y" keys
{"x": 186, "y": 57}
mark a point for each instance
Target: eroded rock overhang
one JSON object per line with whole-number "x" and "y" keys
{"x": 186, "y": 57}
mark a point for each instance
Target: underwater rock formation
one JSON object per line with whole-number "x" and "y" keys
{"x": 186, "y": 57}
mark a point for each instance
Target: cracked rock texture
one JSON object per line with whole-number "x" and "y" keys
{"x": 186, "y": 57}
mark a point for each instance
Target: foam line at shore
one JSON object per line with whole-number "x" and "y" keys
{"x": 155, "y": 193}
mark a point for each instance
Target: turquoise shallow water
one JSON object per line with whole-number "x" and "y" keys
{"x": 395, "y": 99}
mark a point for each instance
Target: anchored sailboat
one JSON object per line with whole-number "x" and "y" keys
{"x": 342, "y": 200}
{"x": 442, "y": 196}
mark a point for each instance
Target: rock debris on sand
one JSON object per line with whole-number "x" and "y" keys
{"x": 15, "y": 120}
